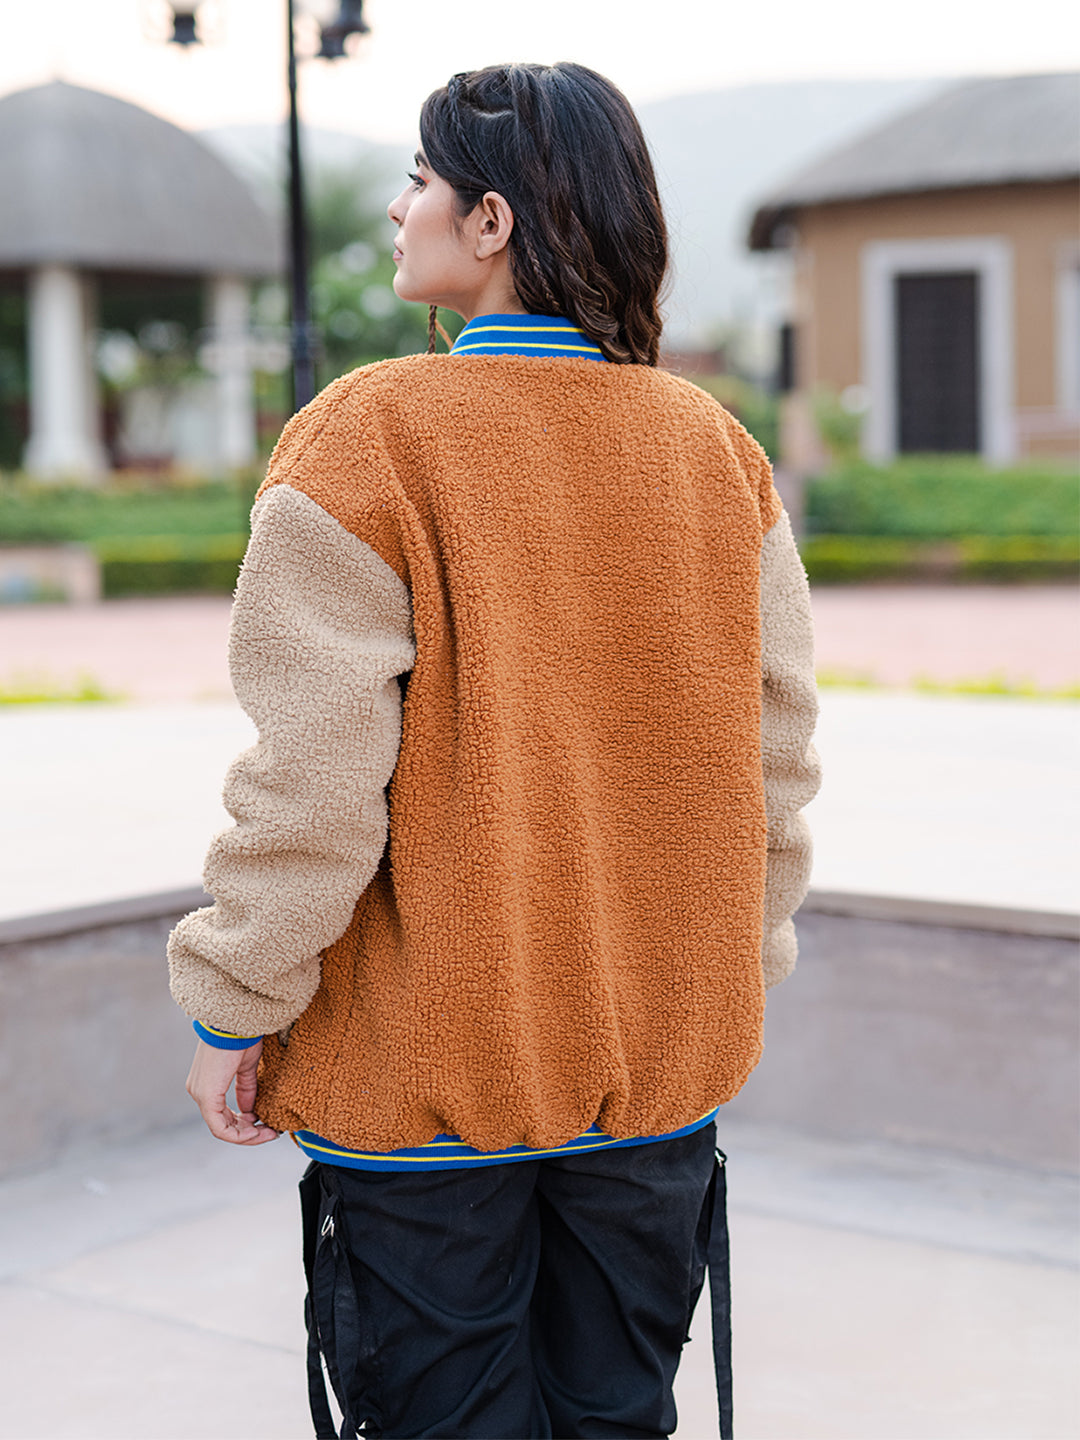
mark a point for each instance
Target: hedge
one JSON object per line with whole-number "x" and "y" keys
{"x": 944, "y": 497}
{"x": 37, "y": 513}
{"x": 833, "y": 559}
{"x": 963, "y": 523}
{"x": 170, "y": 564}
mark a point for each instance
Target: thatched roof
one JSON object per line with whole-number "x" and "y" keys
{"x": 92, "y": 181}
{"x": 1003, "y": 131}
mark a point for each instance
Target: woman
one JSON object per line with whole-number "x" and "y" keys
{"x": 507, "y": 937}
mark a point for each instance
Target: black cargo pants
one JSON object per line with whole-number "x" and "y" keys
{"x": 539, "y": 1298}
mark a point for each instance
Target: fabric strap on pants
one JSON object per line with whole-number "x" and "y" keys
{"x": 333, "y": 1323}
{"x": 332, "y": 1313}
{"x": 719, "y": 1262}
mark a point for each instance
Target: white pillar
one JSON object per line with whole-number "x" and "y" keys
{"x": 64, "y": 425}
{"x": 231, "y": 363}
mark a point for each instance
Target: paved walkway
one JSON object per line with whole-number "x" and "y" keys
{"x": 163, "y": 650}
{"x": 153, "y": 1292}
{"x": 174, "y": 649}
{"x": 926, "y": 796}
{"x": 896, "y": 634}
{"x": 939, "y": 797}
{"x": 944, "y": 798}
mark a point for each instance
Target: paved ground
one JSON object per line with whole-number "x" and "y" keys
{"x": 174, "y": 649}
{"x": 961, "y": 799}
{"x": 895, "y": 634}
{"x": 154, "y": 1292}
{"x": 945, "y": 798}
{"x": 927, "y": 796}
{"x": 171, "y": 649}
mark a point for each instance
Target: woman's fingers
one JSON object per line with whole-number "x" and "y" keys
{"x": 226, "y": 1124}
{"x": 212, "y": 1073}
{"x": 247, "y": 1078}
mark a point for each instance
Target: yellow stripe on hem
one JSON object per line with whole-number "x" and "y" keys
{"x": 529, "y": 330}
{"x": 530, "y": 345}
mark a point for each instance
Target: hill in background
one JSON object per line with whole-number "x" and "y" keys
{"x": 717, "y": 155}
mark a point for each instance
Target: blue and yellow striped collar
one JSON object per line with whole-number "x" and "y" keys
{"x": 550, "y": 336}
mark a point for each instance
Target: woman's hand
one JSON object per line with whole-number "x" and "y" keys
{"x": 211, "y": 1074}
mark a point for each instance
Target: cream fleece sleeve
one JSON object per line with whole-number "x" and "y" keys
{"x": 790, "y": 764}
{"x": 321, "y": 629}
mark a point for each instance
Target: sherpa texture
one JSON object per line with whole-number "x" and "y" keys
{"x": 567, "y": 925}
{"x": 789, "y": 762}
{"x": 321, "y": 628}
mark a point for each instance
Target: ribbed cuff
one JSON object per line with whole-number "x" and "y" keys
{"x": 222, "y": 1039}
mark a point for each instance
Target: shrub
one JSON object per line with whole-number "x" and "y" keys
{"x": 35, "y": 513}
{"x": 1019, "y": 557}
{"x": 838, "y": 559}
{"x": 943, "y": 497}
{"x": 996, "y": 684}
{"x": 170, "y": 564}
{"x": 839, "y": 427}
{"x": 754, "y": 408}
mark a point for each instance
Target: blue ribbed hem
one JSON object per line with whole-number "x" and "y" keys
{"x": 446, "y": 1152}
{"x": 222, "y": 1040}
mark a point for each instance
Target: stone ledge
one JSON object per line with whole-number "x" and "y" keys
{"x": 948, "y": 914}
{"x": 52, "y": 924}
{"x": 957, "y": 915}
{"x": 951, "y": 1027}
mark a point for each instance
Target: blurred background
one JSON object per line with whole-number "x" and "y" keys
{"x": 876, "y": 267}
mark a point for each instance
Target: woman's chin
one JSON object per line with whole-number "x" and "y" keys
{"x": 404, "y": 291}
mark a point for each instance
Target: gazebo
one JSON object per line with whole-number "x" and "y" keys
{"x": 95, "y": 188}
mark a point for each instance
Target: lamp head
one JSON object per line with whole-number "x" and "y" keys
{"x": 184, "y": 31}
{"x": 349, "y": 21}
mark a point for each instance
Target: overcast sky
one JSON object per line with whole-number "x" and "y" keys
{"x": 650, "y": 49}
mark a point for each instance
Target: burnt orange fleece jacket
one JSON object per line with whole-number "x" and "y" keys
{"x": 566, "y": 924}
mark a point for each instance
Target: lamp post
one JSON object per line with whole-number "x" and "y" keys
{"x": 303, "y": 351}
{"x": 333, "y": 32}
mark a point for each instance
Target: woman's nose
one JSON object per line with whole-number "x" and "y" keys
{"x": 395, "y": 209}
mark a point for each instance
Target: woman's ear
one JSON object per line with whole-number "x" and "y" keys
{"x": 494, "y": 222}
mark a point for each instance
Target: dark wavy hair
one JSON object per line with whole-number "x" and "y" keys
{"x": 565, "y": 150}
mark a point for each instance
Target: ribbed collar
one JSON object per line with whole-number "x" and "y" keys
{"x": 550, "y": 336}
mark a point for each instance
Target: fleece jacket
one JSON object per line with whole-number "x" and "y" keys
{"x": 518, "y": 846}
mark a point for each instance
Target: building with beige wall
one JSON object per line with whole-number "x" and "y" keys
{"x": 937, "y": 277}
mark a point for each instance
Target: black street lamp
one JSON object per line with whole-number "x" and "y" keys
{"x": 350, "y": 21}
{"x": 332, "y": 34}
{"x": 184, "y": 32}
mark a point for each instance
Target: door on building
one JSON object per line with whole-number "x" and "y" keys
{"x": 937, "y": 361}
